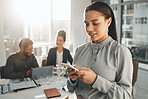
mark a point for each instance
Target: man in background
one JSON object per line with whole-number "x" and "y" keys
{"x": 20, "y": 65}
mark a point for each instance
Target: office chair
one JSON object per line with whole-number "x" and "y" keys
{"x": 44, "y": 61}
{"x": 135, "y": 73}
{"x": 2, "y": 76}
{"x": 2, "y": 72}
{"x": 2, "y": 68}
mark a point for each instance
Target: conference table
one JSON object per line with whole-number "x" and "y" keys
{"x": 38, "y": 91}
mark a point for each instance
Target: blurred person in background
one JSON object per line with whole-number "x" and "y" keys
{"x": 59, "y": 54}
{"x": 20, "y": 65}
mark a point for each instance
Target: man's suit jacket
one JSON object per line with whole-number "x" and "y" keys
{"x": 51, "y": 59}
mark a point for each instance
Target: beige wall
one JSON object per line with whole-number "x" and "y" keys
{"x": 2, "y": 47}
{"x": 77, "y": 23}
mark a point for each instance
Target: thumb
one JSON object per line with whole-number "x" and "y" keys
{"x": 84, "y": 68}
{"x": 75, "y": 66}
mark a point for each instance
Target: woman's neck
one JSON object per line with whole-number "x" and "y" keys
{"x": 60, "y": 49}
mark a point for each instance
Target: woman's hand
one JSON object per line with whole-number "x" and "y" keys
{"x": 28, "y": 73}
{"x": 72, "y": 74}
{"x": 87, "y": 75}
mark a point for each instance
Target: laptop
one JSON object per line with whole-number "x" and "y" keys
{"x": 42, "y": 72}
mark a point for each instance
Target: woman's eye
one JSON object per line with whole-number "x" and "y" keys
{"x": 95, "y": 23}
{"x": 87, "y": 24}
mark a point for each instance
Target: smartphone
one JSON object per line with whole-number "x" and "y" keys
{"x": 69, "y": 66}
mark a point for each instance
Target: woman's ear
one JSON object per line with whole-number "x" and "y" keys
{"x": 109, "y": 20}
{"x": 21, "y": 48}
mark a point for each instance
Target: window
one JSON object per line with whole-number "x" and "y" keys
{"x": 38, "y": 20}
{"x": 136, "y": 33}
{"x": 131, "y": 21}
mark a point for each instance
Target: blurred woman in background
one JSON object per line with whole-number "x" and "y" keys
{"x": 59, "y": 54}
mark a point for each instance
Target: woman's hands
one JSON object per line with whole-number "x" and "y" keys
{"x": 72, "y": 74}
{"x": 28, "y": 73}
{"x": 84, "y": 74}
{"x": 87, "y": 75}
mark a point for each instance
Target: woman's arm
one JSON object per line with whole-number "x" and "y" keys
{"x": 121, "y": 88}
{"x": 69, "y": 57}
{"x": 51, "y": 58}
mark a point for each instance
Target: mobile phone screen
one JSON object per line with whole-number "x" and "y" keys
{"x": 69, "y": 66}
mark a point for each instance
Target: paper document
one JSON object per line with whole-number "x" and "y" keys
{"x": 4, "y": 82}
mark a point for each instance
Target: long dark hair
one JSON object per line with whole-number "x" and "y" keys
{"x": 107, "y": 12}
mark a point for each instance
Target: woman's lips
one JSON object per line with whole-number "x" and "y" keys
{"x": 92, "y": 35}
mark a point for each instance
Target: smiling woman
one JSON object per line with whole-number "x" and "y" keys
{"x": 59, "y": 54}
{"x": 105, "y": 66}
{"x": 97, "y": 26}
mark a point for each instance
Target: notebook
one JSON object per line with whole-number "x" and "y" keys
{"x": 23, "y": 83}
{"x": 41, "y": 72}
{"x": 53, "y": 92}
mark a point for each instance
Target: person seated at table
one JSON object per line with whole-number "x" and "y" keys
{"x": 19, "y": 65}
{"x": 59, "y": 54}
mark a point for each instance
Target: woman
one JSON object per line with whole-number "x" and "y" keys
{"x": 59, "y": 54}
{"x": 105, "y": 66}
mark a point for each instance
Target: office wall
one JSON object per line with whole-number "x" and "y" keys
{"x": 78, "y": 34}
{"x": 2, "y": 47}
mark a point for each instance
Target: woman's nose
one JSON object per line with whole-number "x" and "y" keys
{"x": 90, "y": 28}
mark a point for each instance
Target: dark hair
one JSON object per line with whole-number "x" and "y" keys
{"x": 62, "y": 33}
{"x": 25, "y": 42}
{"x": 107, "y": 12}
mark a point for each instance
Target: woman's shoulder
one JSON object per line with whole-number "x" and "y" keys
{"x": 65, "y": 49}
{"x": 52, "y": 50}
{"x": 118, "y": 46}
{"x": 85, "y": 45}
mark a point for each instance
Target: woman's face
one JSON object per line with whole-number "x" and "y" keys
{"x": 96, "y": 25}
{"x": 60, "y": 41}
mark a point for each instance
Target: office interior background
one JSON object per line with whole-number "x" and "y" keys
{"x": 40, "y": 20}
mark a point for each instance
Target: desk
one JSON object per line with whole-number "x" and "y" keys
{"x": 38, "y": 92}
{"x": 4, "y": 82}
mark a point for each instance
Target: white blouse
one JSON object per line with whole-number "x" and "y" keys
{"x": 59, "y": 58}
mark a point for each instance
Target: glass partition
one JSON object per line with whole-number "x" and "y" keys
{"x": 132, "y": 25}
{"x": 135, "y": 30}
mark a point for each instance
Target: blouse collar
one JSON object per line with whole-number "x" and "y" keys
{"x": 101, "y": 44}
